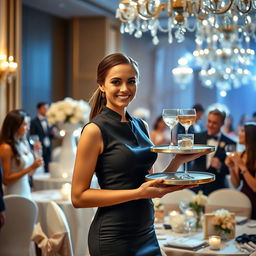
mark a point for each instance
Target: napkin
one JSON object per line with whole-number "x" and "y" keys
{"x": 246, "y": 243}
{"x": 186, "y": 243}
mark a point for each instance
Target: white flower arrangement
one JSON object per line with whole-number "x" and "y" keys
{"x": 158, "y": 205}
{"x": 224, "y": 221}
{"x": 200, "y": 199}
{"x": 68, "y": 111}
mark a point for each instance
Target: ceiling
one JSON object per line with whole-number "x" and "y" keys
{"x": 71, "y": 8}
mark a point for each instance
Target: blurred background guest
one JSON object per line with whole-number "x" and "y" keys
{"x": 242, "y": 165}
{"x": 18, "y": 160}
{"x": 2, "y": 206}
{"x": 160, "y": 135}
{"x": 215, "y": 161}
{"x": 228, "y": 127}
{"x": 242, "y": 121}
{"x": 39, "y": 126}
{"x": 254, "y": 116}
{"x": 142, "y": 113}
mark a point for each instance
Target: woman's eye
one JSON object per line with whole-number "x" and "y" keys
{"x": 133, "y": 81}
{"x": 115, "y": 82}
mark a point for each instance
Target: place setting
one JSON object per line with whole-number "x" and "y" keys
{"x": 185, "y": 145}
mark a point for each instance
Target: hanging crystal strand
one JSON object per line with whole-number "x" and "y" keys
{"x": 170, "y": 25}
{"x": 138, "y": 33}
{"x": 122, "y": 28}
{"x": 144, "y": 26}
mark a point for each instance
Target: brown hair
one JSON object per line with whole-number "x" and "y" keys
{"x": 98, "y": 99}
{"x": 219, "y": 113}
{"x": 11, "y": 124}
{"x": 250, "y": 144}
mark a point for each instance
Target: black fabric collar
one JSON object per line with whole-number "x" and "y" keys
{"x": 113, "y": 114}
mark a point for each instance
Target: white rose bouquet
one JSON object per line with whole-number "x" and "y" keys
{"x": 224, "y": 222}
{"x": 68, "y": 111}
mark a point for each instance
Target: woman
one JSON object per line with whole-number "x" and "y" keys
{"x": 17, "y": 159}
{"x": 242, "y": 165}
{"x": 116, "y": 147}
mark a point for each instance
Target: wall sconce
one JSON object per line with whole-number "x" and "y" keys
{"x": 7, "y": 68}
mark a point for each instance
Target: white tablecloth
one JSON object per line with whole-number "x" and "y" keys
{"x": 227, "y": 248}
{"x": 43, "y": 181}
{"x": 79, "y": 220}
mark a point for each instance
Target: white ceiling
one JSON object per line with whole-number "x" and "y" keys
{"x": 71, "y": 8}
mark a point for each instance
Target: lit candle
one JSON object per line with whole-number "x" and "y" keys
{"x": 64, "y": 175}
{"x": 214, "y": 242}
{"x": 189, "y": 213}
{"x": 66, "y": 191}
{"x": 174, "y": 213}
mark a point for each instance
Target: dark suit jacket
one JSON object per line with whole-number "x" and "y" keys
{"x": 200, "y": 163}
{"x": 2, "y": 207}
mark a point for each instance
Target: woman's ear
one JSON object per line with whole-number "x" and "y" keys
{"x": 101, "y": 88}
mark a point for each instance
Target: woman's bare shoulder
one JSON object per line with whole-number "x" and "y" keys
{"x": 5, "y": 150}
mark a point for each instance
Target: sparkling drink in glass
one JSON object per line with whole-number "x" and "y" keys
{"x": 170, "y": 117}
{"x": 187, "y": 117}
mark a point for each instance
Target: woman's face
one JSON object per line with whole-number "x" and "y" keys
{"x": 120, "y": 86}
{"x": 242, "y": 136}
{"x": 24, "y": 127}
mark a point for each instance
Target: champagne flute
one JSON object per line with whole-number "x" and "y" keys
{"x": 170, "y": 117}
{"x": 230, "y": 148}
{"x": 186, "y": 118}
{"x": 33, "y": 139}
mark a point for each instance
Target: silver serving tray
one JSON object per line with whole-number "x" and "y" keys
{"x": 197, "y": 148}
{"x": 175, "y": 178}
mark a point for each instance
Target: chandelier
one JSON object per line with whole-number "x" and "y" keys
{"x": 175, "y": 17}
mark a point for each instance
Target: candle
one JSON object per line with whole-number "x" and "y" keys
{"x": 189, "y": 213}
{"x": 214, "y": 242}
{"x": 66, "y": 191}
{"x": 64, "y": 175}
{"x": 174, "y": 213}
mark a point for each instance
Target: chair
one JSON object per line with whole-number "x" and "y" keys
{"x": 54, "y": 238}
{"x": 15, "y": 236}
{"x": 232, "y": 200}
{"x": 172, "y": 200}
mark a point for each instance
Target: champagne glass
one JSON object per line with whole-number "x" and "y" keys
{"x": 33, "y": 139}
{"x": 170, "y": 117}
{"x": 186, "y": 118}
{"x": 230, "y": 148}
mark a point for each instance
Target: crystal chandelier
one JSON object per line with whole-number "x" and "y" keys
{"x": 224, "y": 54}
{"x": 175, "y": 17}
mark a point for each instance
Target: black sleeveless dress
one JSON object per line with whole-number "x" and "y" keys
{"x": 124, "y": 229}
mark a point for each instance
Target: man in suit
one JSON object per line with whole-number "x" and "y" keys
{"x": 2, "y": 207}
{"x": 39, "y": 126}
{"x": 215, "y": 161}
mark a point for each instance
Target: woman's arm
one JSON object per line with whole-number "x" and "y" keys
{"x": 90, "y": 146}
{"x": 6, "y": 157}
{"x": 233, "y": 170}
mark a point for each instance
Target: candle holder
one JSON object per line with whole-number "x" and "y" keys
{"x": 215, "y": 242}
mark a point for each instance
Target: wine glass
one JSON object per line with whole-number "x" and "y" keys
{"x": 229, "y": 148}
{"x": 33, "y": 139}
{"x": 190, "y": 220}
{"x": 186, "y": 118}
{"x": 170, "y": 117}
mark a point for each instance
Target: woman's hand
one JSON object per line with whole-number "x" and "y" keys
{"x": 37, "y": 163}
{"x": 37, "y": 146}
{"x": 156, "y": 188}
{"x": 229, "y": 162}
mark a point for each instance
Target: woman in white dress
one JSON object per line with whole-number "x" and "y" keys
{"x": 18, "y": 161}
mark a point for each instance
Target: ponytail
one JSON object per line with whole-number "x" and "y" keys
{"x": 97, "y": 102}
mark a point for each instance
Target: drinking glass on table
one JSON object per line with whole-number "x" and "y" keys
{"x": 170, "y": 117}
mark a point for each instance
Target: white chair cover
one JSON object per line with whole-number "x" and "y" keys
{"x": 230, "y": 199}
{"x": 15, "y": 236}
{"x": 171, "y": 201}
{"x": 57, "y": 241}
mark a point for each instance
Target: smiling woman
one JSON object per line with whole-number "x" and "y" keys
{"x": 116, "y": 147}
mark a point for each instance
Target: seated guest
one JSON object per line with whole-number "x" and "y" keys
{"x": 242, "y": 165}
{"x": 2, "y": 207}
{"x": 18, "y": 161}
{"x": 215, "y": 161}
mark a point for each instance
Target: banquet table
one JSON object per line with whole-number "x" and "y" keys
{"x": 228, "y": 248}
{"x": 42, "y": 181}
{"x": 79, "y": 220}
